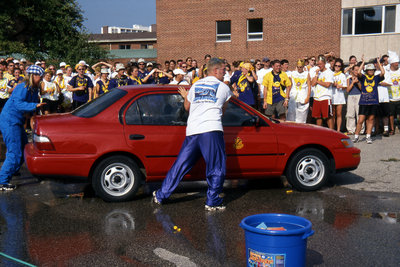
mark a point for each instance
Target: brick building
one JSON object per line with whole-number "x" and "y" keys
{"x": 251, "y": 29}
{"x": 289, "y": 29}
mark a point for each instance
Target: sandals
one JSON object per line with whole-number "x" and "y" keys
{"x": 391, "y": 132}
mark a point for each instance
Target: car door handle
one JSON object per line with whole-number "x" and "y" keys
{"x": 136, "y": 137}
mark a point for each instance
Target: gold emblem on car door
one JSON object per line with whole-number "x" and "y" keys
{"x": 238, "y": 144}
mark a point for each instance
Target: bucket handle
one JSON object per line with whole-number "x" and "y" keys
{"x": 308, "y": 234}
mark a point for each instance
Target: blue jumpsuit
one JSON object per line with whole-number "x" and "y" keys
{"x": 12, "y": 120}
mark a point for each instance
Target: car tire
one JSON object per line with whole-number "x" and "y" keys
{"x": 308, "y": 170}
{"x": 116, "y": 179}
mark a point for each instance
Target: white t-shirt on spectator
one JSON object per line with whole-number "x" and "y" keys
{"x": 393, "y": 78}
{"x": 320, "y": 92}
{"x": 383, "y": 93}
{"x": 338, "y": 97}
{"x": 260, "y": 75}
{"x": 299, "y": 89}
{"x": 207, "y": 97}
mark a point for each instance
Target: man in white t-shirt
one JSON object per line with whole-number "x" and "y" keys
{"x": 179, "y": 76}
{"x": 260, "y": 77}
{"x": 322, "y": 82}
{"x": 205, "y": 102}
{"x": 392, "y": 81}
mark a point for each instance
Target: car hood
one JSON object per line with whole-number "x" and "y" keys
{"x": 293, "y": 128}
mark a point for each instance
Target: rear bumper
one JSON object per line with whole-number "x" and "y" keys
{"x": 46, "y": 164}
{"x": 347, "y": 159}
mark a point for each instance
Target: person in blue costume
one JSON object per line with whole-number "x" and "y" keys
{"x": 25, "y": 98}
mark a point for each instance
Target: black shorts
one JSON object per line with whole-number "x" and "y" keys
{"x": 368, "y": 110}
{"x": 384, "y": 109}
{"x": 394, "y": 108}
{"x": 50, "y": 106}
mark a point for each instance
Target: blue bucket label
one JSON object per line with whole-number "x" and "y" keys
{"x": 261, "y": 259}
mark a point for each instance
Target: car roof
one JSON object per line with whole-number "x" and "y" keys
{"x": 152, "y": 87}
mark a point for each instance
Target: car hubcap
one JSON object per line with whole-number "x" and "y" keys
{"x": 117, "y": 179}
{"x": 310, "y": 170}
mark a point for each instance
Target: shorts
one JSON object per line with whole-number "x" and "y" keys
{"x": 394, "y": 108}
{"x": 368, "y": 110}
{"x": 276, "y": 108}
{"x": 322, "y": 109}
{"x": 50, "y": 106}
{"x": 384, "y": 109}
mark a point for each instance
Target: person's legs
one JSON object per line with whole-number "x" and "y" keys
{"x": 188, "y": 155}
{"x": 352, "y": 111}
{"x": 370, "y": 124}
{"x": 361, "y": 119}
{"x": 212, "y": 146}
{"x": 14, "y": 138}
{"x": 338, "y": 117}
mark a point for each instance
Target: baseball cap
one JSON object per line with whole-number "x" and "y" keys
{"x": 119, "y": 67}
{"x": 16, "y": 61}
{"x": 149, "y": 64}
{"x": 140, "y": 60}
{"x": 38, "y": 63}
{"x": 179, "y": 71}
{"x": 266, "y": 59}
{"x": 369, "y": 66}
{"x": 23, "y": 60}
{"x": 104, "y": 70}
{"x": 63, "y": 64}
{"x": 59, "y": 72}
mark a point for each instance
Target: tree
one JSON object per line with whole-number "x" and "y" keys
{"x": 51, "y": 27}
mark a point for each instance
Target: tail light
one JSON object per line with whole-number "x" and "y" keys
{"x": 42, "y": 142}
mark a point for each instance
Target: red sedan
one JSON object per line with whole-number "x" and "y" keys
{"x": 131, "y": 135}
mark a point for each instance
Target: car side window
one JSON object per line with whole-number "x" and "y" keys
{"x": 157, "y": 109}
{"x": 234, "y": 115}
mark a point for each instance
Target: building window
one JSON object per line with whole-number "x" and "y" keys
{"x": 254, "y": 29}
{"x": 224, "y": 31}
{"x": 146, "y": 46}
{"x": 124, "y": 46}
{"x": 368, "y": 20}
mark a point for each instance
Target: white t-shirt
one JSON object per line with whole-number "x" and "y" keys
{"x": 260, "y": 75}
{"x": 299, "y": 89}
{"x": 320, "y": 92}
{"x": 393, "y": 78}
{"x": 383, "y": 93}
{"x": 50, "y": 86}
{"x": 312, "y": 75}
{"x": 3, "y": 88}
{"x": 338, "y": 97}
{"x": 207, "y": 97}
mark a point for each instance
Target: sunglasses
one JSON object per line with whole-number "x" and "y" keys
{"x": 338, "y": 66}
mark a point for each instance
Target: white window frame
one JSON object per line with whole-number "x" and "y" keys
{"x": 223, "y": 35}
{"x": 255, "y": 33}
{"x": 353, "y": 22}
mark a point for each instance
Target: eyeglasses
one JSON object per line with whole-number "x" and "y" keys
{"x": 141, "y": 63}
{"x": 81, "y": 69}
{"x": 184, "y": 67}
{"x": 338, "y": 66}
{"x": 313, "y": 59}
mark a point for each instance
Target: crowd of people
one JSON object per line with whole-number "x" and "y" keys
{"x": 318, "y": 90}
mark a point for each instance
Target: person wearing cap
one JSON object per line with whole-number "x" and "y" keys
{"x": 102, "y": 84}
{"x": 322, "y": 80}
{"x": 275, "y": 98}
{"x": 24, "y": 99}
{"x": 81, "y": 87}
{"x": 15, "y": 80}
{"x": 150, "y": 67}
{"x": 244, "y": 88}
{"x": 49, "y": 92}
{"x": 299, "y": 96}
{"x": 392, "y": 81}
{"x": 205, "y": 101}
{"x": 63, "y": 103}
{"x": 142, "y": 69}
{"x": 178, "y": 77}
{"x": 62, "y": 67}
{"x": 121, "y": 79}
{"x": 369, "y": 100}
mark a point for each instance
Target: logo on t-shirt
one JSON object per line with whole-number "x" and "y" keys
{"x": 205, "y": 93}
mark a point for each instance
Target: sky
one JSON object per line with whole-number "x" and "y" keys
{"x": 122, "y": 13}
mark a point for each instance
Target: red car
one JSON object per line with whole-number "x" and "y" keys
{"x": 133, "y": 134}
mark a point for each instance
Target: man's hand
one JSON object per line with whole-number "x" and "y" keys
{"x": 182, "y": 91}
{"x": 41, "y": 104}
{"x": 265, "y": 105}
{"x": 286, "y": 102}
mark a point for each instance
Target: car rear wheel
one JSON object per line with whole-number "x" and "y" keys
{"x": 308, "y": 170}
{"x": 116, "y": 178}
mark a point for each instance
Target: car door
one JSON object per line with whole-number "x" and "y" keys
{"x": 155, "y": 127}
{"x": 251, "y": 147}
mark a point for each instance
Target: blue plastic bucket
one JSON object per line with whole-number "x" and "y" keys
{"x": 276, "y": 248}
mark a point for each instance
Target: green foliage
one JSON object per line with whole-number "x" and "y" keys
{"x": 50, "y": 27}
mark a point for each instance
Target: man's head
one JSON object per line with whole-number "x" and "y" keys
{"x": 284, "y": 65}
{"x": 321, "y": 61}
{"x": 179, "y": 74}
{"x": 141, "y": 64}
{"x": 184, "y": 66}
{"x": 266, "y": 62}
{"x": 352, "y": 60}
{"x": 10, "y": 67}
{"x": 276, "y": 66}
{"x": 300, "y": 65}
{"x": 216, "y": 68}
{"x": 369, "y": 69}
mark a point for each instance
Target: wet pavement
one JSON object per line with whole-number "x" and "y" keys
{"x": 59, "y": 223}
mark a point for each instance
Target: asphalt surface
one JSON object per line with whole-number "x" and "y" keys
{"x": 356, "y": 219}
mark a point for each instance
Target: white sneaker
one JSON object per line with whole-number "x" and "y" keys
{"x": 356, "y": 139}
{"x": 214, "y": 208}
{"x": 155, "y": 200}
{"x": 369, "y": 140}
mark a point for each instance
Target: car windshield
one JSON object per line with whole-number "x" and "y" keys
{"x": 99, "y": 104}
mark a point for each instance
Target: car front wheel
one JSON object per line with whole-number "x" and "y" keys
{"x": 116, "y": 178}
{"x": 308, "y": 170}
